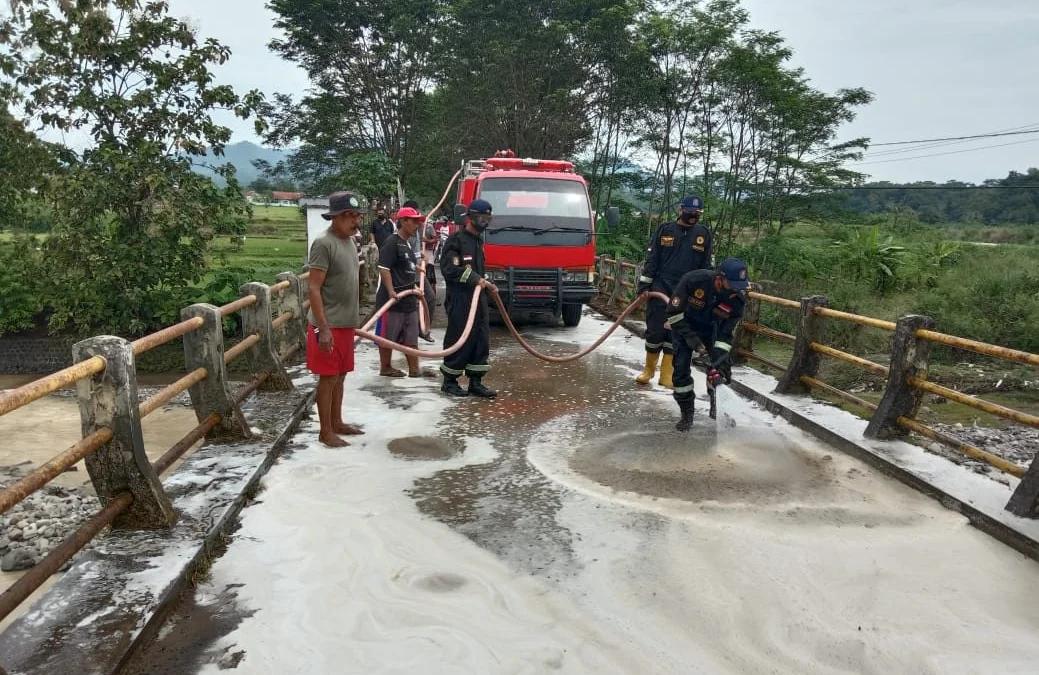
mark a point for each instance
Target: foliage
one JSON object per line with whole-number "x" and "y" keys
{"x": 955, "y": 202}
{"x": 20, "y": 276}
{"x": 131, "y": 222}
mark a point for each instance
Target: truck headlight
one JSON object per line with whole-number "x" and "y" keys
{"x": 575, "y": 276}
{"x": 497, "y": 275}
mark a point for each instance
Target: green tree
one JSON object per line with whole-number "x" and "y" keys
{"x": 132, "y": 223}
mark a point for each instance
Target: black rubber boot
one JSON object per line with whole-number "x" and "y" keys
{"x": 452, "y": 387}
{"x": 685, "y": 405}
{"x": 476, "y": 388}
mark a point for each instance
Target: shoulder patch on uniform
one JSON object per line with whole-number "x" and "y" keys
{"x": 698, "y": 294}
{"x": 676, "y": 301}
{"x": 456, "y": 261}
{"x": 667, "y": 240}
{"x": 699, "y": 240}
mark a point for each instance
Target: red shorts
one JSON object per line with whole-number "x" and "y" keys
{"x": 339, "y": 361}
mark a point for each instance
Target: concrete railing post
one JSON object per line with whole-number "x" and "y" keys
{"x": 1025, "y": 500}
{"x": 291, "y": 300}
{"x": 204, "y": 348}
{"x": 110, "y": 399}
{"x": 908, "y": 359}
{"x": 744, "y": 339}
{"x": 618, "y": 275}
{"x": 263, "y": 357}
{"x": 810, "y": 328}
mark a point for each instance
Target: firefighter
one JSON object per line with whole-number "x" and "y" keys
{"x": 676, "y": 248}
{"x": 461, "y": 265}
{"x": 704, "y": 309}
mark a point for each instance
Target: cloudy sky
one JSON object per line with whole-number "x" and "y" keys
{"x": 938, "y": 68}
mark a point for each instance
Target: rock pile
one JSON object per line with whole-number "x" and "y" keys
{"x": 33, "y": 527}
{"x": 1015, "y": 443}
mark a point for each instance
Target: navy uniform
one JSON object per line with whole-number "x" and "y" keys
{"x": 705, "y": 308}
{"x": 677, "y": 247}
{"x": 462, "y": 266}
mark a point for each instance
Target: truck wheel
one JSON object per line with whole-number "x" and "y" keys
{"x": 571, "y": 315}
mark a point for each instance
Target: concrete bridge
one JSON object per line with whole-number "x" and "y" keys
{"x": 564, "y": 527}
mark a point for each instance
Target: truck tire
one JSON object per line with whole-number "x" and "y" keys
{"x": 571, "y": 315}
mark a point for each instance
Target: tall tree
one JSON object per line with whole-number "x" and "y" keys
{"x": 132, "y": 223}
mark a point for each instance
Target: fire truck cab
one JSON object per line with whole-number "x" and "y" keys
{"x": 540, "y": 247}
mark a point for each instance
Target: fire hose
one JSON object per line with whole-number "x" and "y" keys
{"x": 471, "y": 319}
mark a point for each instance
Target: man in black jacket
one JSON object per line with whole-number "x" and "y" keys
{"x": 462, "y": 264}
{"x": 677, "y": 247}
{"x": 703, "y": 312}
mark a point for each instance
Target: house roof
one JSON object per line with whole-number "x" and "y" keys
{"x": 292, "y": 196}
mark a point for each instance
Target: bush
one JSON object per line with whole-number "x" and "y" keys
{"x": 20, "y": 284}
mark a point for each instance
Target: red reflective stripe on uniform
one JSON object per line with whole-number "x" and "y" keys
{"x": 725, "y": 308}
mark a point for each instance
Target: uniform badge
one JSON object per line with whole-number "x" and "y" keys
{"x": 676, "y": 301}
{"x": 667, "y": 241}
{"x": 698, "y": 294}
{"x": 699, "y": 240}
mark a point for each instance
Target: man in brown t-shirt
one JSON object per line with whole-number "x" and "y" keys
{"x": 334, "y": 313}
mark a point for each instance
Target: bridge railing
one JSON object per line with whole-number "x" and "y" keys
{"x": 127, "y": 483}
{"x": 905, "y": 375}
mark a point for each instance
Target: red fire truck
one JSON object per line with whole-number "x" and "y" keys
{"x": 540, "y": 248}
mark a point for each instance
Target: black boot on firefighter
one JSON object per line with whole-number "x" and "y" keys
{"x": 452, "y": 387}
{"x": 685, "y": 406}
{"x": 476, "y": 388}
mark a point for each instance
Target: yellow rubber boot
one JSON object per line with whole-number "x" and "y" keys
{"x": 651, "y": 368}
{"x": 667, "y": 371}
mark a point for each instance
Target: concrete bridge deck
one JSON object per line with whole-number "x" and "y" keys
{"x": 566, "y": 528}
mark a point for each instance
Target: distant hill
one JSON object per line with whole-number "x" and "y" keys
{"x": 242, "y": 154}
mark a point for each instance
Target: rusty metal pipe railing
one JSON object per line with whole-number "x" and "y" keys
{"x": 165, "y": 335}
{"x": 838, "y": 393}
{"x": 976, "y": 403}
{"x": 288, "y": 353}
{"x": 248, "y": 389}
{"x": 162, "y": 464}
{"x": 282, "y": 320}
{"x": 280, "y": 286}
{"x": 760, "y": 359}
{"x": 37, "y": 389}
{"x": 769, "y": 332}
{"x": 306, "y": 305}
{"x": 236, "y": 351}
{"x": 856, "y": 318}
{"x": 773, "y": 300}
{"x": 35, "y": 577}
{"x": 164, "y": 395}
{"x": 967, "y": 449}
{"x": 240, "y": 303}
{"x": 32, "y": 482}
{"x": 871, "y": 366}
{"x": 986, "y": 349}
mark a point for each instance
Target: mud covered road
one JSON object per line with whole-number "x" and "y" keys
{"x": 567, "y": 528}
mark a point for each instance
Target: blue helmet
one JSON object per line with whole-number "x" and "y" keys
{"x": 480, "y": 207}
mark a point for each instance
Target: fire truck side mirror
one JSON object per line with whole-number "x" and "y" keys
{"x": 613, "y": 217}
{"x": 460, "y": 213}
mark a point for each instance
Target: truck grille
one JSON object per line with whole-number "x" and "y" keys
{"x": 537, "y": 277}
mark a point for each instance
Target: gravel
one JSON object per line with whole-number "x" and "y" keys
{"x": 1017, "y": 444}
{"x": 34, "y": 526}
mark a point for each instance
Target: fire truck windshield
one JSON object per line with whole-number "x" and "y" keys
{"x": 537, "y": 211}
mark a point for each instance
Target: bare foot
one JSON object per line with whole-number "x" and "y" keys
{"x": 416, "y": 374}
{"x": 347, "y": 429}
{"x": 392, "y": 372}
{"x": 332, "y": 441}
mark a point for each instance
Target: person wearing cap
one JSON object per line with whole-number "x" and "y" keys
{"x": 677, "y": 247}
{"x": 429, "y": 292}
{"x": 382, "y": 228}
{"x": 398, "y": 272}
{"x": 705, "y": 307}
{"x": 462, "y": 266}
{"x": 334, "y": 313}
